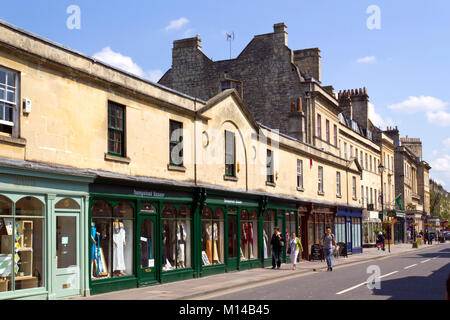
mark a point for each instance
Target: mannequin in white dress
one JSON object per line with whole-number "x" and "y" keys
{"x": 181, "y": 238}
{"x": 118, "y": 250}
{"x": 266, "y": 239}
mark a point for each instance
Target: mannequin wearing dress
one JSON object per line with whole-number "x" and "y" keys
{"x": 245, "y": 239}
{"x": 181, "y": 238}
{"x": 250, "y": 239}
{"x": 266, "y": 238}
{"x": 95, "y": 250}
{"x": 118, "y": 250}
{"x": 209, "y": 242}
{"x": 215, "y": 252}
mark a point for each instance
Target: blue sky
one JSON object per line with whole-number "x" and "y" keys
{"x": 404, "y": 65}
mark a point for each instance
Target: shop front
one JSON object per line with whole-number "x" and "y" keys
{"x": 285, "y": 217}
{"x": 349, "y": 229}
{"x": 230, "y": 233}
{"x": 371, "y": 224}
{"x": 399, "y": 226}
{"x": 139, "y": 236}
{"x": 42, "y": 245}
{"x": 319, "y": 218}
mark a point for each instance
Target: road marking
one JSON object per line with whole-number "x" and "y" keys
{"x": 415, "y": 264}
{"x": 361, "y": 284}
{"x": 425, "y": 261}
{"x": 435, "y": 257}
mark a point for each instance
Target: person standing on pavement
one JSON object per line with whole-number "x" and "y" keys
{"x": 380, "y": 241}
{"x": 328, "y": 243}
{"x": 276, "y": 244}
{"x": 295, "y": 247}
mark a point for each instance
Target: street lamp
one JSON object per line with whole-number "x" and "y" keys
{"x": 381, "y": 170}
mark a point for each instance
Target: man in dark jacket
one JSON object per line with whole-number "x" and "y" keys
{"x": 276, "y": 246}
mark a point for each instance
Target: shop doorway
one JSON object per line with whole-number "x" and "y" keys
{"x": 281, "y": 224}
{"x": 147, "y": 262}
{"x": 349, "y": 235}
{"x": 233, "y": 244}
{"x": 302, "y": 232}
{"x": 66, "y": 264}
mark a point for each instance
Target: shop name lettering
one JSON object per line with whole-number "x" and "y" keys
{"x": 232, "y": 201}
{"x": 189, "y": 310}
{"x": 149, "y": 193}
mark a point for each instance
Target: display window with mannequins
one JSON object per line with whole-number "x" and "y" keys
{"x": 249, "y": 235}
{"x": 269, "y": 225}
{"x": 212, "y": 236}
{"x": 176, "y": 237}
{"x": 111, "y": 240}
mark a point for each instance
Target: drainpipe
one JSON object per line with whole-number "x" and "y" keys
{"x": 195, "y": 142}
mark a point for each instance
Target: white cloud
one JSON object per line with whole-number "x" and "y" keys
{"x": 118, "y": 60}
{"x": 188, "y": 33}
{"x": 419, "y": 104}
{"x": 378, "y": 120}
{"x": 447, "y": 143}
{"x": 368, "y": 59}
{"x": 441, "y": 118}
{"x": 154, "y": 75}
{"x": 177, "y": 24}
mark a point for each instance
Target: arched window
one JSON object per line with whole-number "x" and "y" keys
{"x": 213, "y": 236}
{"x": 67, "y": 203}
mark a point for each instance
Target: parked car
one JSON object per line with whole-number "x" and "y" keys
{"x": 447, "y": 235}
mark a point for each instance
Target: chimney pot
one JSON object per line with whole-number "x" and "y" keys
{"x": 293, "y": 106}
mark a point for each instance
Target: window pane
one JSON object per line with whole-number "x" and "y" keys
{"x": 67, "y": 204}
{"x": 66, "y": 241}
{"x": 244, "y": 214}
{"x": 101, "y": 209}
{"x": 29, "y": 253}
{"x": 148, "y": 207}
{"x": 231, "y": 237}
{"x": 253, "y": 237}
{"x": 184, "y": 212}
{"x": 147, "y": 244}
{"x": 2, "y": 77}
{"x": 123, "y": 210}
{"x": 218, "y": 242}
{"x": 218, "y": 214}
{"x": 5, "y": 208}
{"x": 169, "y": 211}
{"x": 11, "y": 96}
{"x": 207, "y": 238}
{"x": 2, "y": 92}
{"x": 10, "y": 79}
{"x": 101, "y": 253}
{"x": 245, "y": 249}
{"x": 168, "y": 244}
{"x": 183, "y": 244}
{"x": 122, "y": 247}
{"x": 29, "y": 206}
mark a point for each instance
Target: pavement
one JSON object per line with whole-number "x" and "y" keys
{"x": 215, "y": 284}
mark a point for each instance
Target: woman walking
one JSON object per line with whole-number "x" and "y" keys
{"x": 295, "y": 247}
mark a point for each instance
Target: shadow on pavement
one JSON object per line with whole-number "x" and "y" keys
{"x": 443, "y": 254}
{"x": 432, "y": 287}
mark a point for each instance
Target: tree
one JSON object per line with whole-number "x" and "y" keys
{"x": 435, "y": 202}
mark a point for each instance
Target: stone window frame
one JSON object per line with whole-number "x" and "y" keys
{"x": 13, "y": 106}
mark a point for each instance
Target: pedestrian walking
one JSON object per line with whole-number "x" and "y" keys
{"x": 408, "y": 235}
{"x": 328, "y": 243}
{"x": 276, "y": 244}
{"x": 380, "y": 241}
{"x": 295, "y": 246}
{"x": 430, "y": 238}
{"x": 426, "y": 237}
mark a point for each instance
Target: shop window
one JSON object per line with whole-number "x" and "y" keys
{"x": 67, "y": 204}
{"x": 116, "y": 129}
{"x": 212, "y": 236}
{"x": 8, "y": 101}
{"x": 112, "y": 240}
{"x": 22, "y": 244}
{"x": 176, "y": 238}
{"x": 311, "y": 231}
{"x": 249, "y": 235}
{"x": 176, "y": 143}
{"x": 269, "y": 226}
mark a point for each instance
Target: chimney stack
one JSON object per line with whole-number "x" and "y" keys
{"x": 279, "y": 29}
